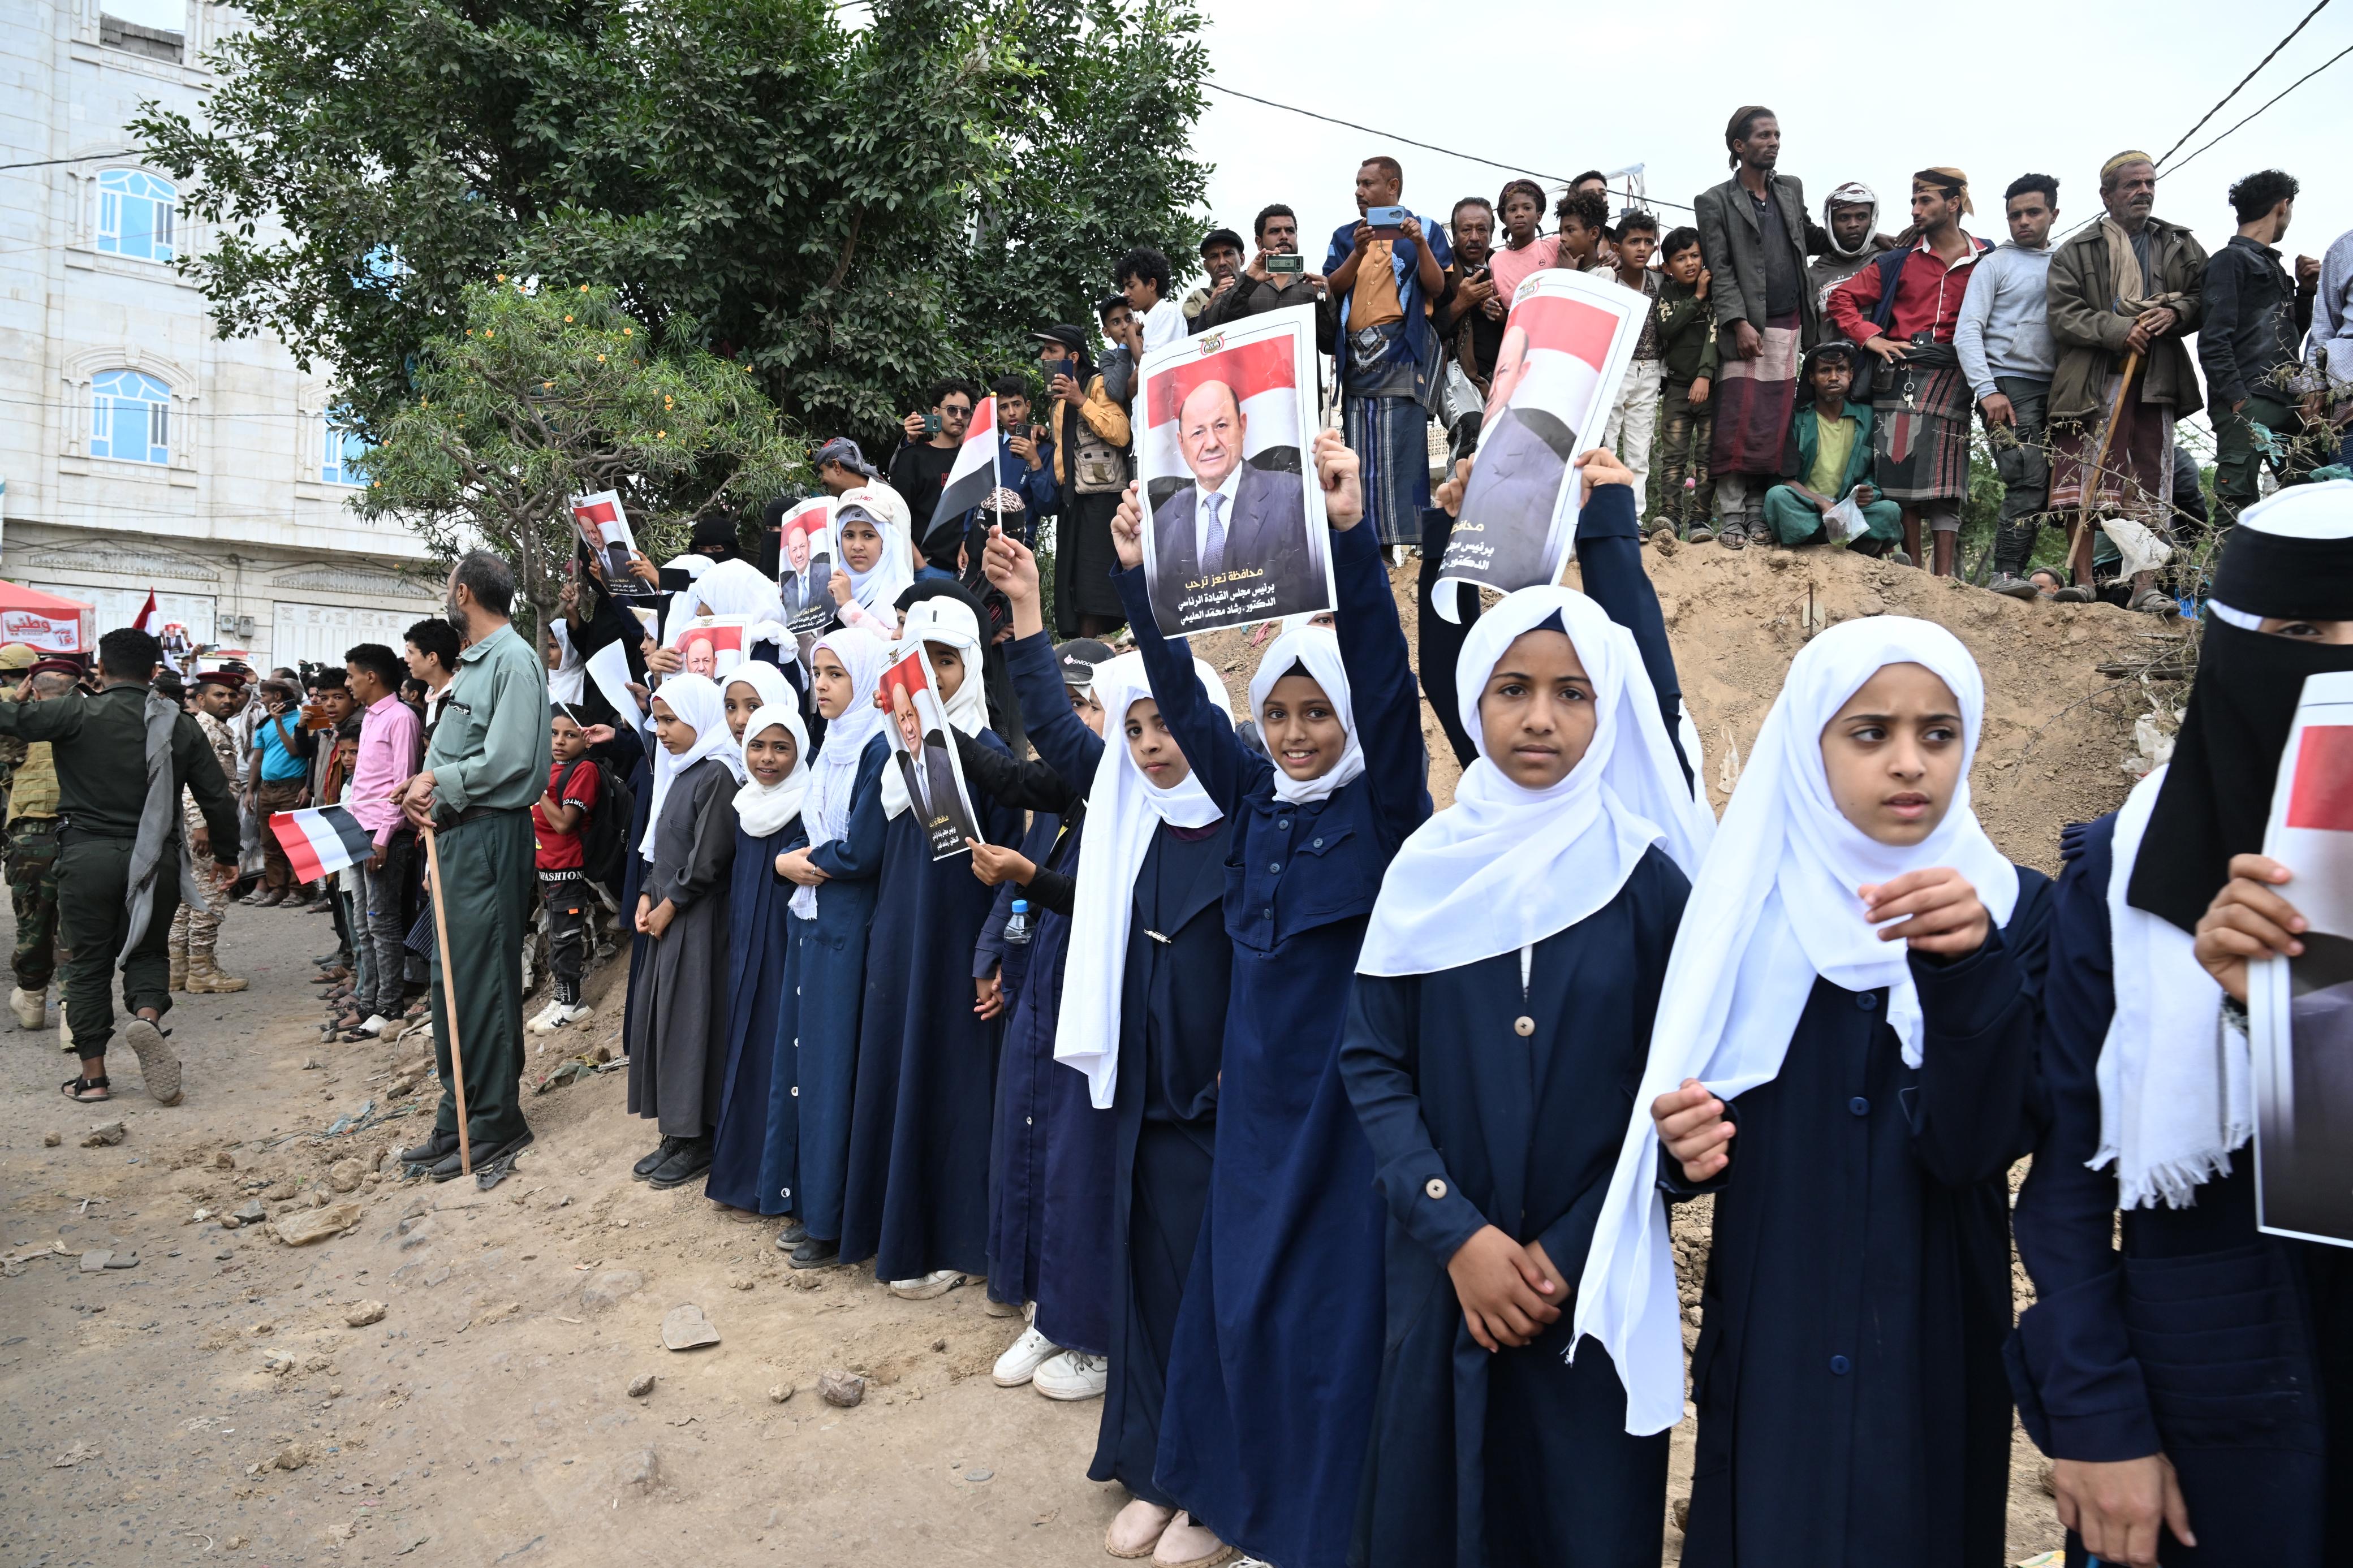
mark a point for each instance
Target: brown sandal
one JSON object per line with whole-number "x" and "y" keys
{"x": 77, "y": 1089}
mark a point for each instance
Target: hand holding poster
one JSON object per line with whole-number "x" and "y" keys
{"x": 604, "y": 527}
{"x": 804, "y": 557}
{"x": 2300, "y": 1009}
{"x": 1566, "y": 346}
{"x": 925, "y": 755}
{"x": 1233, "y": 521}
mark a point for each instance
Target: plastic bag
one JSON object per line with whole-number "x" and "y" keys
{"x": 1845, "y": 522}
{"x": 2142, "y": 550}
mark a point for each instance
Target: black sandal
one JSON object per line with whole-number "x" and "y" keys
{"x": 73, "y": 1088}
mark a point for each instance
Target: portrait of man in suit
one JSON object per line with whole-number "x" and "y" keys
{"x": 1231, "y": 518}
{"x": 1516, "y": 481}
{"x": 806, "y": 570}
{"x": 929, "y": 773}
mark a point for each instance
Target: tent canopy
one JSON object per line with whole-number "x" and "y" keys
{"x": 16, "y": 596}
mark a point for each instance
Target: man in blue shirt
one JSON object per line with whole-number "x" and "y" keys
{"x": 281, "y": 761}
{"x": 1388, "y": 357}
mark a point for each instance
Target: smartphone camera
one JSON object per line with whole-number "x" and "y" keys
{"x": 1390, "y": 220}
{"x": 931, "y": 424}
{"x": 1286, "y": 261}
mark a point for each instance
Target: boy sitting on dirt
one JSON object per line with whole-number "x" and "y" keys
{"x": 1826, "y": 460}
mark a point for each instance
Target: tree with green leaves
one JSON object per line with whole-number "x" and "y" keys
{"x": 543, "y": 393}
{"x": 848, "y": 211}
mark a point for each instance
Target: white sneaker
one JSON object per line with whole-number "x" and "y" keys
{"x": 937, "y": 1283}
{"x": 543, "y": 1021}
{"x": 565, "y": 1015}
{"x": 1073, "y": 1375}
{"x": 1022, "y": 1358}
{"x": 32, "y": 1006}
{"x": 374, "y": 1024}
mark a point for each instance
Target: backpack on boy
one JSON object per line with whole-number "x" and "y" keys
{"x": 604, "y": 838}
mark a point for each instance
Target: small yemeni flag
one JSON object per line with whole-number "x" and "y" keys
{"x": 1261, "y": 374}
{"x": 321, "y": 841}
{"x": 973, "y": 473}
{"x": 146, "y": 612}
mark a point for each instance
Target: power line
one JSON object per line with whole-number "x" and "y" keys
{"x": 1411, "y": 141}
{"x": 86, "y": 158}
{"x": 2282, "y": 93}
{"x": 2243, "y": 81}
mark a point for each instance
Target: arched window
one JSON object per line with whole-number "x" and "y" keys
{"x": 129, "y": 417}
{"x": 342, "y": 452}
{"x": 134, "y": 214}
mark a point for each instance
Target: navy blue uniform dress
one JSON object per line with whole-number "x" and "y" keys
{"x": 920, "y": 1109}
{"x": 2229, "y": 1350}
{"x": 1050, "y": 1206}
{"x": 1853, "y": 1409}
{"x": 757, "y": 947}
{"x": 1488, "y": 1104}
{"x": 805, "y": 1162}
{"x": 1279, "y": 1341}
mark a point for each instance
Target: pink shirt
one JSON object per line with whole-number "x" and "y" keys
{"x": 1511, "y": 267}
{"x": 389, "y": 736}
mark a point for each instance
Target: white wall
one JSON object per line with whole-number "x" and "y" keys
{"x": 239, "y": 516}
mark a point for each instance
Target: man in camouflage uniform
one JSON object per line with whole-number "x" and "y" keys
{"x": 32, "y": 838}
{"x": 195, "y": 931}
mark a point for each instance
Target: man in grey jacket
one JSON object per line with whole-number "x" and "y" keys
{"x": 2003, "y": 339}
{"x": 1755, "y": 235}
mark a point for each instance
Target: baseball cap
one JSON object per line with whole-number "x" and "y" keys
{"x": 17, "y": 656}
{"x": 1063, "y": 332}
{"x": 1078, "y": 658}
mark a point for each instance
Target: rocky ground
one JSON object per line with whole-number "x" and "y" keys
{"x": 447, "y": 1375}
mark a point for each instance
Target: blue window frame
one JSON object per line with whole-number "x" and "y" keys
{"x": 134, "y": 214}
{"x": 129, "y": 417}
{"x": 343, "y": 453}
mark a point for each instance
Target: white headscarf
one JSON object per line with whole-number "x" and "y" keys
{"x": 1124, "y": 810}
{"x": 826, "y": 812}
{"x": 1317, "y": 648}
{"x": 760, "y": 809}
{"x": 568, "y": 682}
{"x": 735, "y": 588}
{"x": 879, "y": 587}
{"x": 695, "y": 700}
{"x": 1774, "y": 906}
{"x": 763, "y": 678}
{"x": 1505, "y": 866}
{"x": 950, "y": 621}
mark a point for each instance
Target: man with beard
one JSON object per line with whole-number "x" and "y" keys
{"x": 486, "y": 766}
{"x": 1850, "y": 217}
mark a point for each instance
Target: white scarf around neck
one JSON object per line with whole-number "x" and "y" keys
{"x": 826, "y": 812}
{"x": 1124, "y": 811}
{"x": 1774, "y": 906}
{"x": 761, "y": 809}
{"x": 1503, "y": 866}
{"x": 695, "y": 700}
{"x": 1318, "y": 649}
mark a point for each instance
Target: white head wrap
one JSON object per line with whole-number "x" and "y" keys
{"x": 766, "y": 678}
{"x": 1504, "y": 866}
{"x": 761, "y": 809}
{"x": 1854, "y": 192}
{"x": 1124, "y": 810}
{"x": 950, "y": 620}
{"x": 1775, "y": 905}
{"x": 826, "y": 812}
{"x": 879, "y": 587}
{"x": 695, "y": 700}
{"x": 1317, "y": 648}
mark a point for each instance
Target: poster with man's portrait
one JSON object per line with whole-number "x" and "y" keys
{"x": 2300, "y": 1009}
{"x": 1565, "y": 347}
{"x": 805, "y": 558}
{"x": 925, "y": 755}
{"x": 604, "y": 527}
{"x": 711, "y": 645}
{"x": 1233, "y": 520}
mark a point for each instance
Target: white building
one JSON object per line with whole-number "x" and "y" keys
{"x": 138, "y": 451}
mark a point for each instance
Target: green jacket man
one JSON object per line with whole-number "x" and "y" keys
{"x": 123, "y": 757}
{"x": 487, "y": 763}
{"x": 1827, "y": 457}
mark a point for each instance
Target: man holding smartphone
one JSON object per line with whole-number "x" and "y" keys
{"x": 1384, "y": 269}
{"x": 1276, "y": 277}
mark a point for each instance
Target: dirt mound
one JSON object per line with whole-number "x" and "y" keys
{"x": 2058, "y": 732}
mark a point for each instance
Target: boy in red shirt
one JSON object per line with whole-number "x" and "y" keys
{"x": 555, "y": 823}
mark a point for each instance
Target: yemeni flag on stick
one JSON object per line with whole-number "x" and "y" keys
{"x": 973, "y": 473}
{"x": 146, "y": 612}
{"x": 321, "y": 841}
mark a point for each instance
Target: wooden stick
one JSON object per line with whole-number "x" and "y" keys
{"x": 448, "y": 997}
{"x": 2078, "y": 533}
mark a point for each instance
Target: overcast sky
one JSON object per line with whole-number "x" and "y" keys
{"x": 1862, "y": 92}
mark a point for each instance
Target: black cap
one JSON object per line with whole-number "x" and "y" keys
{"x": 1078, "y": 658}
{"x": 1218, "y": 236}
{"x": 1063, "y": 332}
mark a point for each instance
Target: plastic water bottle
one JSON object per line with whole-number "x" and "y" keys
{"x": 1016, "y": 967}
